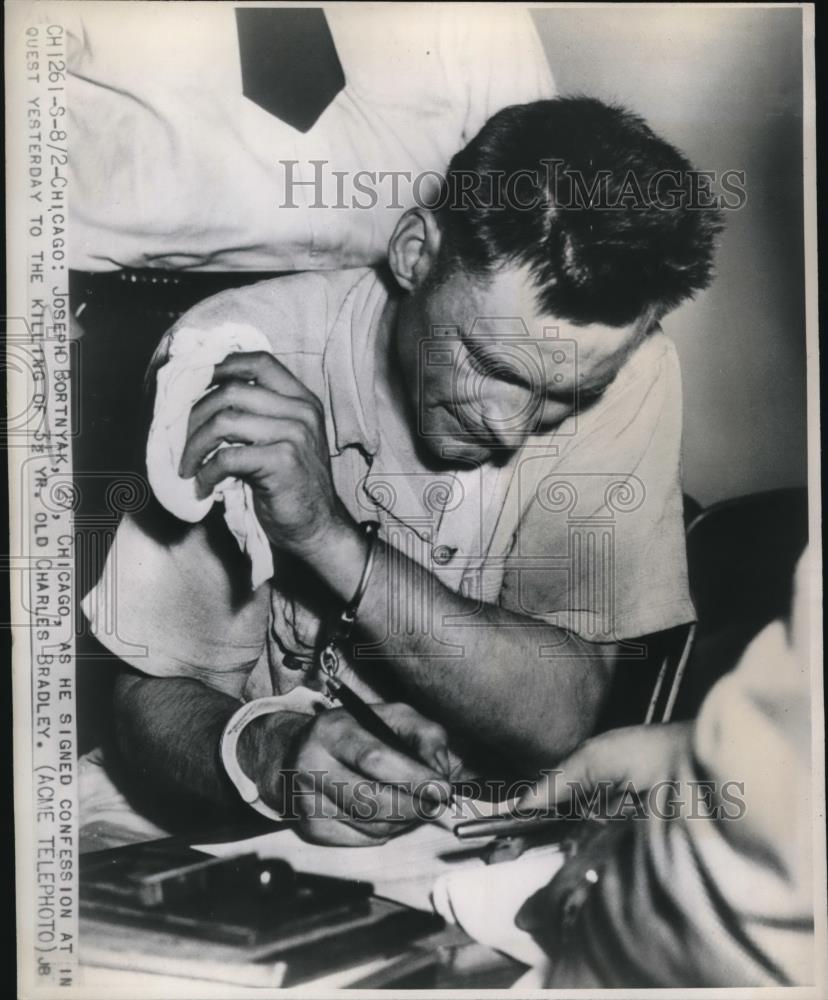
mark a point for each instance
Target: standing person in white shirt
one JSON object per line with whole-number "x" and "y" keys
{"x": 193, "y": 126}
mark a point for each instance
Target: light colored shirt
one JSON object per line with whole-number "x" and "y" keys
{"x": 755, "y": 727}
{"x": 173, "y": 166}
{"x": 720, "y": 894}
{"x": 582, "y": 528}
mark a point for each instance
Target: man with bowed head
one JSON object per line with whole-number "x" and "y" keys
{"x": 511, "y": 346}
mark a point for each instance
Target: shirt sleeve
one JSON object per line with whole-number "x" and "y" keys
{"x": 752, "y": 742}
{"x": 717, "y": 894}
{"x": 174, "y": 600}
{"x": 506, "y": 64}
{"x": 600, "y": 548}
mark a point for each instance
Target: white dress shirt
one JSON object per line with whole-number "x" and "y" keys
{"x": 173, "y": 167}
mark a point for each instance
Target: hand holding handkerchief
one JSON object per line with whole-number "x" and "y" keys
{"x": 180, "y": 382}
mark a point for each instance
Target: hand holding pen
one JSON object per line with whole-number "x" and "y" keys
{"x": 352, "y": 787}
{"x": 366, "y": 772}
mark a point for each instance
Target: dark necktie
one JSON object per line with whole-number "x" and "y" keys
{"x": 289, "y": 62}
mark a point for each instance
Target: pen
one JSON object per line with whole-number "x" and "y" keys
{"x": 507, "y": 826}
{"x": 362, "y": 713}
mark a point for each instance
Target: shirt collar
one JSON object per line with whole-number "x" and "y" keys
{"x": 348, "y": 367}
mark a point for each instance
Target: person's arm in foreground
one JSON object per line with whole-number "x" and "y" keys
{"x": 711, "y": 889}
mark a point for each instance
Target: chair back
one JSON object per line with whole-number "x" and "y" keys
{"x": 741, "y": 557}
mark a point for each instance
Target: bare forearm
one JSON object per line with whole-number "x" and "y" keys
{"x": 169, "y": 730}
{"x": 506, "y": 680}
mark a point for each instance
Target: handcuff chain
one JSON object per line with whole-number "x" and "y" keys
{"x": 329, "y": 659}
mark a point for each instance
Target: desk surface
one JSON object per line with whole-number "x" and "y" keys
{"x": 118, "y": 957}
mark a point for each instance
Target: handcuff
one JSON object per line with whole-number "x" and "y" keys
{"x": 340, "y": 632}
{"x": 299, "y": 699}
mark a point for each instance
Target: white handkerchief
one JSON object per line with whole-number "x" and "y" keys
{"x": 182, "y": 381}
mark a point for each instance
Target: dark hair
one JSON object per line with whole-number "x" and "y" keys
{"x": 608, "y": 216}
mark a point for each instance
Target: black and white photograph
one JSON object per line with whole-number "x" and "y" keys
{"x": 414, "y": 460}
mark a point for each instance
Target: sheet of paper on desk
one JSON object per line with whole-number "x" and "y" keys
{"x": 403, "y": 869}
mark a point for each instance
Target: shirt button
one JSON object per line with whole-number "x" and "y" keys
{"x": 443, "y": 554}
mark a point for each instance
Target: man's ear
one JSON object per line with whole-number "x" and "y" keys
{"x": 414, "y": 247}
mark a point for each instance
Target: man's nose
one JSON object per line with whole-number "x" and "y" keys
{"x": 509, "y": 422}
